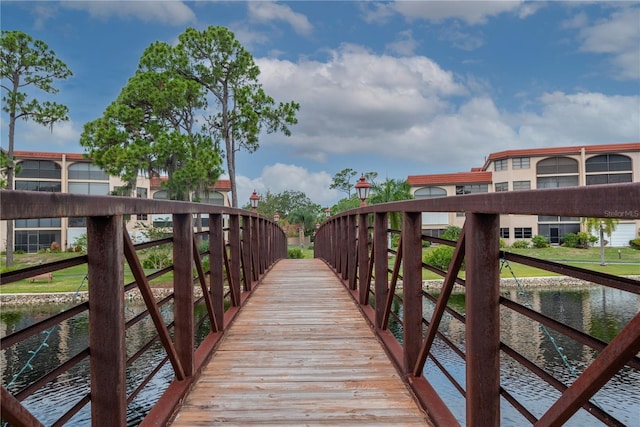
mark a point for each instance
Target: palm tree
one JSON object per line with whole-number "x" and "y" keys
{"x": 603, "y": 225}
{"x": 305, "y": 218}
{"x": 391, "y": 190}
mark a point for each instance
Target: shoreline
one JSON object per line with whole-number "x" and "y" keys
{"x": 134, "y": 295}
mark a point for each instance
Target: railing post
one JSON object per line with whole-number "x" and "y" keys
{"x": 183, "y": 290}
{"x": 412, "y": 287}
{"x": 108, "y": 360}
{"x": 216, "y": 275}
{"x": 381, "y": 265}
{"x": 234, "y": 259}
{"x": 352, "y": 266}
{"x": 247, "y": 251}
{"x": 363, "y": 258}
{"x": 482, "y": 325}
{"x": 257, "y": 252}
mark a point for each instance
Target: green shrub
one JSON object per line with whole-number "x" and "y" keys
{"x": 503, "y": 244}
{"x": 578, "y": 240}
{"x": 520, "y": 244}
{"x": 440, "y": 257}
{"x": 539, "y": 242}
{"x": 426, "y": 243}
{"x": 452, "y": 232}
{"x": 635, "y": 243}
{"x": 156, "y": 259}
{"x": 295, "y": 253}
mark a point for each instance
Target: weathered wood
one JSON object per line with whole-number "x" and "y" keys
{"x": 300, "y": 354}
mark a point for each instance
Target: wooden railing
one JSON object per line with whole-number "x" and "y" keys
{"x": 355, "y": 244}
{"x": 241, "y": 247}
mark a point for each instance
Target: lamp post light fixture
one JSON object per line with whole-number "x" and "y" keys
{"x": 276, "y": 217}
{"x": 363, "y": 188}
{"x": 327, "y": 212}
{"x": 254, "y": 199}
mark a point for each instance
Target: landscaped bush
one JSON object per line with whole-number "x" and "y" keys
{"x": 452, "y": 232}
{"x": 440, "y": 257}
{"x": 520, "y": 244}
{"x": 635, "y": 243}
{"x": 295, "y": 253}
{"x": 580, "y": 240}
{"x": 539, "y": 242}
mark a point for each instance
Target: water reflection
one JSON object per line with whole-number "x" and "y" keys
{"x": 598, "y": 311}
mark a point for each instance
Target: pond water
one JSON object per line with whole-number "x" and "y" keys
{"x": 600, "y": 312}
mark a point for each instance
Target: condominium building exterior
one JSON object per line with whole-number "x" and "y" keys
{"x": 74, "y": 173}
{"x": 529, "y": 169}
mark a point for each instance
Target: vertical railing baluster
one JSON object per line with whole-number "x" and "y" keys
{"x": 256, "y": 249}
{"x": 183, "y": 291}
{"x": 352, "y": 265}
{"x": 234, "y": 259}
{"x": 107, "y": 344}
{"x": 216, "y": 262}
{"x": 411, "y": 287}
{"x": 246, "y": 252}
{"x": 381, "y": 262}
{"x": 482, "y": 325}
{"x": 363, "y": 258}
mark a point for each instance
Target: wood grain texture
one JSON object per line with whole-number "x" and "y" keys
{"x": 301, "y": 354}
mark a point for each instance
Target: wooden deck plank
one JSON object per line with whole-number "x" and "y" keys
{"x": 300, "y": 353}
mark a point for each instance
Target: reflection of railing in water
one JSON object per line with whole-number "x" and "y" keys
{"x": 357, "y": 248}
{"x": 239, "y": 256}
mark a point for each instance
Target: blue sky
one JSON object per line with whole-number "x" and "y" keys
{"x": 400, "y": 88}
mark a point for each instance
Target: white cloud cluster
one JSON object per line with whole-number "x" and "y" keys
{"x": 167, "y": 12}
{"x": 267, "y": 11}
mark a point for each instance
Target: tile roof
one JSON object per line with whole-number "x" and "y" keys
{"x": 450, "y": 178}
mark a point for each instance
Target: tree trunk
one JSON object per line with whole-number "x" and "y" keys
{"x": 10, "y": 174}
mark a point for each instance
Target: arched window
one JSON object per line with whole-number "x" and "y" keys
{"x": 213, "y": 198}
{"x": 556, "y": 172}
{"x": 608, "y": 169}
{"x": 161, "y": 195}
{"x": 39, "y": 169}
{"x": 432, "y": 218}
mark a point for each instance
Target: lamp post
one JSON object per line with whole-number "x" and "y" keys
{"x": 363, "y": 188}
{"x": 327, "y": 212}
{"x": 276, "y": 217}
{"x": 254, "y": 199}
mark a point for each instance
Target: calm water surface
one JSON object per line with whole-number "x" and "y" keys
{"x": 601, "y": 313}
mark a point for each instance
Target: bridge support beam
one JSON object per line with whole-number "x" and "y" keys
{"x": 364, "y": 281}
{"x": 216, "y": 277}
{"x": 412, "y": 287}
{"x": 482, "y": 325}
{"x": 183, "y": 291}
{"x": 108, "y": 362}
{"x": 381, "y": 265}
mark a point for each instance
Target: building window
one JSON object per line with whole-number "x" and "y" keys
{"x": 521, "y": 185}
{"x": 87, "y": 171}
{"x": 77, "y": 222}
{"x": 521, "y": 162}
{"x": 522, "y": 232}
{"x": 504, "y": 233}
{"x": 555, "y": 232}
{"x": 557, "y": 181}
{"x": 433, "y": 232}
{"x": 432, "y": 218}
{"x": 34, "y": 240}
{"x": 141, "y": 193}
{"x": 38, "y": 223}
{"x": 501, "y": 165}
{"x": 557, "y": 165}
{"x": 39, "y": 169}
{"x": 49, "y": 186}
{"x": 95, "y": 188}
{"x": 502, "y": 186}
{"x": 471, "y": 188}
{"x": 599, "y": 169}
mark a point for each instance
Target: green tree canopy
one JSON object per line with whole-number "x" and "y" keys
{"x": 391, "y": 190}
{"x": 151, "y": 127}
{"x": 285, "y": 203}
{"x": 215, "y": 59}
{"x": 27, "y": 64}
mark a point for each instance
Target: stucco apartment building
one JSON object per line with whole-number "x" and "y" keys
{"x": 529, "y": 169}
{"x": 74, "y": 173}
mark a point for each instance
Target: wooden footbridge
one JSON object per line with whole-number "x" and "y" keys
{"x": 254, "y": 338}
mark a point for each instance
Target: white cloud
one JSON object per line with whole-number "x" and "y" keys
{"x": 279, "y": 177}
{"x": 618, "y": 36}
{"x": 472, "y": 12}
{"x": 31, "y": 136}
{"x": 266, "y": 11}
{"x": 167, "y": 12}
{"x": 405, "y": 44}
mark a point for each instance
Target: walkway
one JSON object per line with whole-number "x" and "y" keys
{"x": 300, "y": 353}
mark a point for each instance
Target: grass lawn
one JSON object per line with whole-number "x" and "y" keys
{"x": 624, "y": 263}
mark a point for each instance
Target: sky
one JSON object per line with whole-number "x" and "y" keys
{"x": 399, "y": 88}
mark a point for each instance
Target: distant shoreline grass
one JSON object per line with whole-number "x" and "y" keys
{"x": 623, "y": 263}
